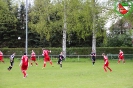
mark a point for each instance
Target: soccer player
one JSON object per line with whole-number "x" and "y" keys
{"x": 33, "y": 58}
{"x": 93, "y": 57}
{"x": 121, "y": 56}
{"x": 1, "y": 57}
{"x": 106, "y": 63}
{"x": 11, "y": 61}
{"x": 24, "y": 65}
{"x": 61, "y": 57}
{"x": 46, "y": 57}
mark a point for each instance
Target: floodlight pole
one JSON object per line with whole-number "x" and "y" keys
{"x": 26, "y": 40}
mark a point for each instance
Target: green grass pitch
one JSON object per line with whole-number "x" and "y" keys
{"x": 74, "y": 74}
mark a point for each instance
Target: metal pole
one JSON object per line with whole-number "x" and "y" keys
{"x": 26, "y": 40}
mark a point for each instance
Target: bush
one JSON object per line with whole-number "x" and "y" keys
{"x": 70, "y": 51}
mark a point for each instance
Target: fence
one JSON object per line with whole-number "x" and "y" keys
{"x": 78, "y": 57}
{"x": 115, "y": 56}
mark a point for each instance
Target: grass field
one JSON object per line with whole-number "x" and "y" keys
{"x": 73, "y": 75}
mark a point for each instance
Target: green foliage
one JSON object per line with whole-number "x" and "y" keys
{"x": 119, "y": 40}
{"x": 45, "y": 24}
{"x": 7, "y": 24}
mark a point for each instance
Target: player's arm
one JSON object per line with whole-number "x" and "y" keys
{"x": 95, "y": 55}
{"x": 63, "y": 57}
{"x": 91, "y": 54}
{"x": 28, "y": 64}
{"x": 20, "y": 62}
{"x": 49, "y": 51}
{"x": 60, "y": 58}
{"x": 31, "y": 56}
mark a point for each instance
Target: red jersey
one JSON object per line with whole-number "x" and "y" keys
{"x": 106, "y": 60}
{"x": 1, "y": 54}
{"x": 46, "y": 53}
{"x": 120, "y": 54}
{"x": 24, "y": 60}
{"x": 33, "y": 54}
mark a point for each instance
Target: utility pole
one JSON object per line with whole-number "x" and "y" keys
{"x": 93, "y": 30}
{"x": 26, "y": 40}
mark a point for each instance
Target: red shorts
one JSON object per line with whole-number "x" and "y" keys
{"x": 33, "y": 58}
{"x": 121, "y": 57}
{"x": 1, "y": 58}
{"x": 24, "y": 67}
{"x": 47, "y": 59}
{"x": 106, "y": 65}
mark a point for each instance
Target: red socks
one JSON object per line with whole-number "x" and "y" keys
{"x": 24, "y": 72}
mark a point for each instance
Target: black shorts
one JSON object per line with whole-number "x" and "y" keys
{"x": 93, "y": 59}
{"x": 59, "y": 61}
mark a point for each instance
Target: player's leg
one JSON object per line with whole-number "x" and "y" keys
{"x": 50, "y": 61}
{"x": 105, "y": 68}
{"x": 35, "y": 62}
{"x": 23, "y": 69}
{"x": 58, "y": 62}
{"x": 24, "y": 73}
{"x": 10, "y": 67}
{"x": 44, "y": 64}
{"x": 61, "y": 64}
{"x": 109, "y": 68}
{"x": 31, "y": 62}
{"x": 123, "y": 60}
{"x": 93, "y": 61}
{"x": 2, "y": 60}
{"x": 119, "y": 60}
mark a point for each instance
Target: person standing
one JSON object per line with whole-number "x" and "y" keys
{"x": 33, "y": 58}
{"x": 93, "y": 57}
{"x": 24, "y": 65}
{"x": 106, "y": 63}
{"x": 61, "y": 57}
{"x": 46, "y": 57}
{"x": 1, "y": 57}
{"x": 11, "y": 61}
{"x": 121, "y": 56}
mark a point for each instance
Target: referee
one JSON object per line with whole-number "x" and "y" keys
{"x": 11, "y": 61}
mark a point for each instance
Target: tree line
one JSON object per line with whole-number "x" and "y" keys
{"x": 46, "y": 24}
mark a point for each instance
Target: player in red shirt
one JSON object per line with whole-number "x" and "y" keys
{"x": 46, "y": 57}
{"x": 1, "y": 57}
{"x": 121, "y": 56}
{"x": 24, "y": 64}
{"x": 106, "y": 63}
{"x": 33, "y": 58}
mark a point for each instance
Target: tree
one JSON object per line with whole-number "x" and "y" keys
{"x": 7, "y": 23}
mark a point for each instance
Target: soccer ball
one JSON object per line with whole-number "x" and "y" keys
{"x": 19, "y": 38}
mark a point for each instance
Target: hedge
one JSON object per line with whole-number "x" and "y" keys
{"x": 70, "y": 51}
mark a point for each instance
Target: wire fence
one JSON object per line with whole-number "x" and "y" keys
{"x": 78, "y": 57}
